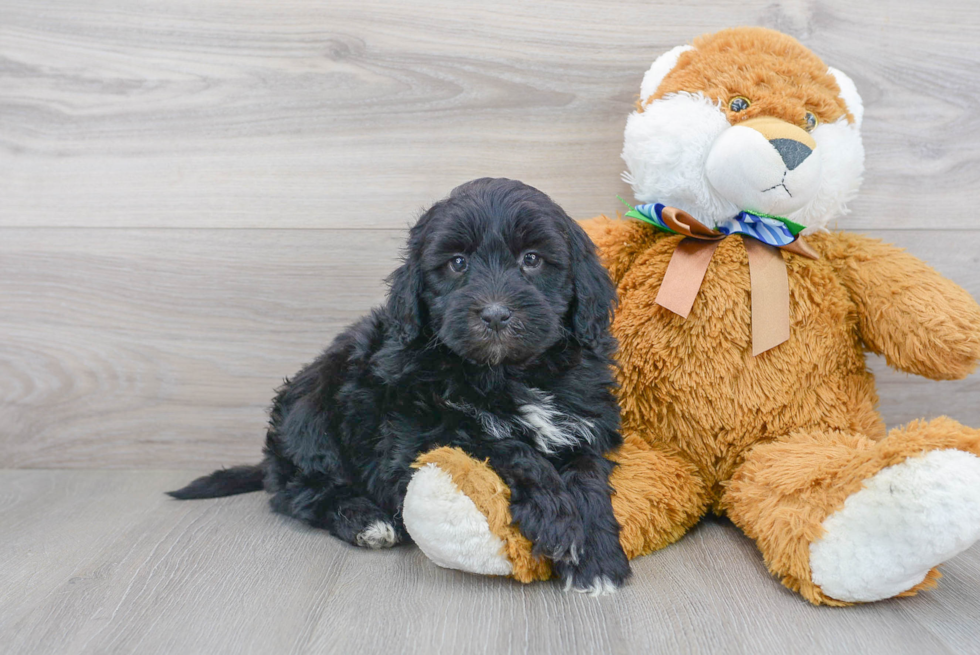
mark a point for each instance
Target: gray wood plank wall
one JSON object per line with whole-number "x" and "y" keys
{"x": 196, "y": 196}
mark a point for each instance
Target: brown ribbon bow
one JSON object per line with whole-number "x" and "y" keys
{"x": 767, "y": 276}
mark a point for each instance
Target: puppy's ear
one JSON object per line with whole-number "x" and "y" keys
{"x": 406, "y": 283}
{"x": 595, "y": 294}
{"x": 404, "y": 304}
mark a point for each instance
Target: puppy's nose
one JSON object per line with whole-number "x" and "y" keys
{"x": 495, "y": 316}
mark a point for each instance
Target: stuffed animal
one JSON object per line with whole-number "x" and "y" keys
{"x": 742, "y": 325}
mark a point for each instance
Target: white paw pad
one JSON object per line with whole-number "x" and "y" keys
{"x": 906, "y": 520}
{"x": 379, "y": 534}
{"x": 447, "y": 526}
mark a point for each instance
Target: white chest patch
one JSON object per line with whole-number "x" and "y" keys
{"x": 493, "y": 426}
{"x": 552, "y": 429}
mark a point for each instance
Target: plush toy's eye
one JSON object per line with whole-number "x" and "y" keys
{"x": 531, "y": 260}
{"x": 739, "y": 103}
{"x": 458, "y": 264}
{"x": 811, "y": 121}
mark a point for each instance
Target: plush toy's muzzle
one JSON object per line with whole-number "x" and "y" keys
{"x": 765, "y": 165}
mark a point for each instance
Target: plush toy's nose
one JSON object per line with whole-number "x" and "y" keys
{"x": 792, "y": 143}
{"x": 792, "y": 152}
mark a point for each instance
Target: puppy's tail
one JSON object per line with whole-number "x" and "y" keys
{"x": 224, "y": 482}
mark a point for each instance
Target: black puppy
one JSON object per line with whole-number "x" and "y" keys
{"x": 495, "y": 338}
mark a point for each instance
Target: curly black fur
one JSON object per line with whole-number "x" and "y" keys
{"x": 495, "y": 338}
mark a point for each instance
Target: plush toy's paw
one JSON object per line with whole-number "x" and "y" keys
{"x": 457, "y": 510}
{"x": 907, "y": 519}
{"x": 449, "y": 528}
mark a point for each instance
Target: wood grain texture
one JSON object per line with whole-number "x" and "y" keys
{"x": 132, "y": 337}
{"x": 102, "y": 562}
{"x": 300, "y": 113}
{"x": 160, "y": 348}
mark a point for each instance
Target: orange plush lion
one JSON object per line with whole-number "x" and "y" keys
{"x": 742, "y": 326}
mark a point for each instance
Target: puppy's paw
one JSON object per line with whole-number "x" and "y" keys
{"x": 594, "y": 580}
{"x": 554, "y": 526}
{"x": 379, "y": 534}
{"x": 562, "y": 541}
{"x": 571, "y": 557}
{"x": 601, "y": 571}
{"x": 600, "y": 586}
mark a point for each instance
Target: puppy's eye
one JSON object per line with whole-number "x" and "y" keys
{"x": 531, "y": 260}
{"x": 458, "y": 264}
{"x": 810, "y": 121}
{"x": 739, "y": 103}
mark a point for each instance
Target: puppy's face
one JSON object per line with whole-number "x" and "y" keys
{"x": 498, "y": 271}
{"x": 497, "y": 277}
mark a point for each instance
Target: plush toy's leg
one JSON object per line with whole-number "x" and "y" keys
{"x": 457, "y": 510}
{"x": 658, "y": 496}
{"x": 842, "y": 518}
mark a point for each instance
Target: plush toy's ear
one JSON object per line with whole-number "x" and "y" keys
{"x": 849, "y": 93}
{"x": 595, "y": 294}
{"x": 659, "y": 69}
{"x": 406, "y": 284}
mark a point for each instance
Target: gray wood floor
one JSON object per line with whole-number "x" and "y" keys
{"x": 102, "y": 562}
{"x": 196, "y": 196}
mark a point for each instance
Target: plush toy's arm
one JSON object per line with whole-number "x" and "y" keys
{"x": 921, "y": 322}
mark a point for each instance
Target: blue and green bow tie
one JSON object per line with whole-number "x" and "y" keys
{"x": 770, "y": 235}
{"x": 771, "y": 230}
